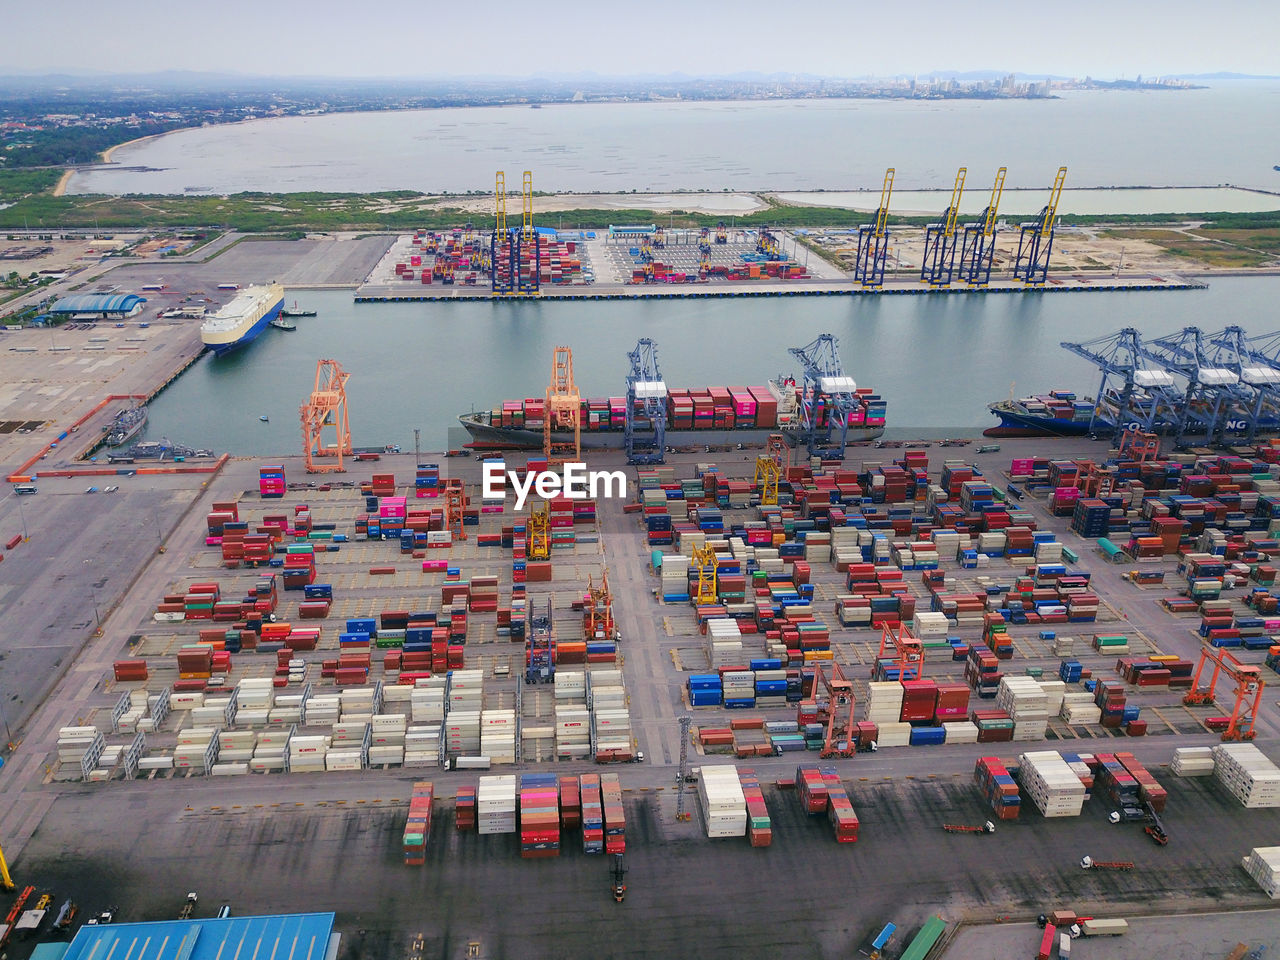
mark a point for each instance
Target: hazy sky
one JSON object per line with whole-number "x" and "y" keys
{"x": 830, "y": 37}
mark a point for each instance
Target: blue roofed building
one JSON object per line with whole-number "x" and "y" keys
{"x": 115, "y": 306}
{"x": 294, "y": 936}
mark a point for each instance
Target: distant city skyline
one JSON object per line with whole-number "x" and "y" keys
{"x": 378, "y": 38}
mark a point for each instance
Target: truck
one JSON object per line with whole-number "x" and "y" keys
{"x": 66, "y": 916}
{"x": 188, "y": 907}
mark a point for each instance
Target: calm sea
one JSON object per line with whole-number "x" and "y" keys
{"x": 938, "y": 360}
{"x": 1113, "y": 138}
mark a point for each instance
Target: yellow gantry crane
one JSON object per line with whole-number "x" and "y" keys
{"x": 704, "y": 561}
{"x": 526, "y": 219}
{"x": 6, "y": 881}
{"x": 563, "y": 415}
{"x": 938, "y": 263}
{"x": 500, "y": 196}
{"x": 540, "y": 531}
{"x": 1035, "y": 243}
{"x": 326, "y": 408}
{"x": 873, "y": 241}
{"x": 977, "y": 251}
{"x": 770, "y": 467}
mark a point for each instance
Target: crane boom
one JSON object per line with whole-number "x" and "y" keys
{"x": 993, "y": 207}
{"x": 882, "y": 212}
{"x": 526, "y": 220}
{"x": 1050, "y": 213}
{"x": 500, "y": 196}
{"x": 954, "y": 210}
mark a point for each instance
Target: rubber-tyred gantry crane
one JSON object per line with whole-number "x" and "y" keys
{"x": 908, "y": 650}
{"x": 1139, "y": 446}
{"x": 873, "y": 241}
{"x": 563, "y": 416}
{"x": 770, "y": 466}
{"x": 1035, "y": 242}
{"x": 455, "y": 501}
{"x": 326, "y": 408}
{"x": 597, "y": 612}
{"x": 704, "y": 562}
{"x": 1247, "y": 693}
{"x": 539, "y": 534}
{"x": 978, "y": 245}
{"x": 938, "y": 264}
{"x": 831, "y": 700}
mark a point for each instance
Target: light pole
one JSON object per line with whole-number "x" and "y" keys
{"x": 417, "y": 453}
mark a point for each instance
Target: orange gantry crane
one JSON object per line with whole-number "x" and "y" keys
{"x": 597, "y": 612}
{"x": 1248, "y": 690}
{"x": 327, "y": 407}
{"x": 908, "y": 650}
{"x": 455, "y": 501}
{"x": 1139, "y": 445}
{"x": 831, "y": 701}
{"x": 563, "y": 413}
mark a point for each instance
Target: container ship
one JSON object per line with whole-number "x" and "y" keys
{"x": 710, "y": 415}
{"x": 241, "y": 320}
{"x": 127, "y": 425}
{"x": 1060, "y": 414}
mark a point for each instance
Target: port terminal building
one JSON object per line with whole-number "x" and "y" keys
{"x": 295, "y": 936}
{"x": 98, "y": 306}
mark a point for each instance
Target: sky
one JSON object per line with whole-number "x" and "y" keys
{"x": 836, "y": 38}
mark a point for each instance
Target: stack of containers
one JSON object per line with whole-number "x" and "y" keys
{"x": 840, "y": 812}
{"x": 573, "y": 731}
{"x": 539, "y": 815}
{"x": 1247, "y": 773}
{"x": 724, "y": 643}
{"x": 271, "y": 482}
{"x": 724, "y": 807}
{"x": 759, "y": 828}
{"x": 426, "y": 701}
{"x": 1263, "y": 864}
{"x": 592, "y": 813}
{"x": 615, "y": 820}
{"x": 1052, "y": 784}
{"x": 269, "y": 751}
{"x": 675, "y": 577}
{"x": 417, "y": 829}
{"x": 465, "y": 809}
{"x": 738, "y": 688}
{"x": 387, "y": 738}
{"x": 307, "y": 754}
{"x": 498, "y": 735}
{"x": 811, "y": 788}
{"x": 422, "y": 746}
{"x": 705, "y": 690}
{"x": 193, "y": 746}
{"x": 496, "y": 805}
{"x": 462, "y": 733}
{"x": 1024, "y": 700}
{"x": 1078, "y": 707}
{"x": 570, "y": 803}
{"x": 999, "y": 788}
{"x": 1193, "y": 762}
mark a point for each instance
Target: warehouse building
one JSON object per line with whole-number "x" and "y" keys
{"x": 295, "y": 936}
{"x": 95, "y": 306}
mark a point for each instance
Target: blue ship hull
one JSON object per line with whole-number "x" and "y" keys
{"x": 252, "y": 333}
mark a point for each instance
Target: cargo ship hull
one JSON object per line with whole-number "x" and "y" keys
{"x": 1019, "y": 423}
{"x": 241, "y": 321}
{"x": 484, "y": 436}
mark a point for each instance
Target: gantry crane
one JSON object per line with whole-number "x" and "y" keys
{"x": 682, "y": 774}
{"x": 722, "y": 235}
{"x": 1035, "y": 242}
{"x": 938, "y": 263}
{"x": 1211, "y": 391}
{"x": 539, "y": 644}
{"x": 767, "y": 244}
{"x": 645, "y": 429}
{"x": 563, "y": 416}
{"x": 831, "y": 701}
{"x": 597, "y": 612}
{"x": 529, "y": 241}
{"x": 828, "y": 398}
{"x": 327, "y": 407}
{"x": 504, "y": 270}
{"x": 1257, "y": 364}
{"x": 539, "y": 534}
{"x": 1139, "y": 446}
{"x": 873, "y": 241}
{"x": 978, "y": 246}
{"x": 703, "y": 562}
{"x": 770, "y": 466}
{"x": 1248, "y": 689}
{"x": 908, "y": 650}
{"x": 1142, "y": 399}
{"x": 455, "y": 502}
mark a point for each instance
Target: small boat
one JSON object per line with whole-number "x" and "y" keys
{"x": 296, "y": 311}
{"x": 264, "y": 419}
{"x": 282, "y": 324}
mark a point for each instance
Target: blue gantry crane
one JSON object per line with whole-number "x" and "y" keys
{"x": 978, "y": 246}
{"x": 540, "y": 652}
{"x": 1257, "y": 363}
{"x": 1131, "y": 394}
{"x": 1211, "y": 392}
{"x": 873, "y": 241}
{"x": 645, "y": 430}
{"x": 1035, "y": 242}
{"x": 938, "y": 264}
{"x": 828, "y": 398}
